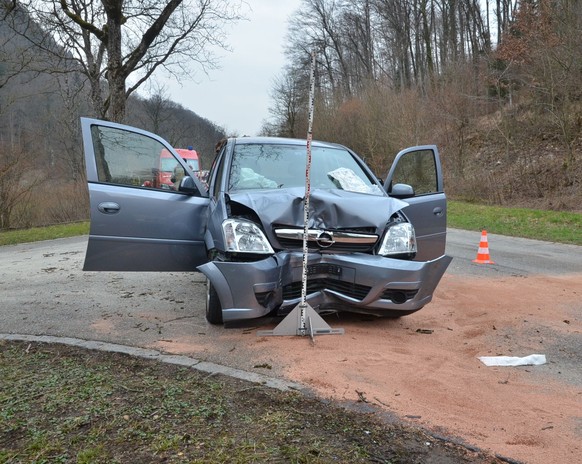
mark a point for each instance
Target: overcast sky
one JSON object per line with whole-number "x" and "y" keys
{"x": 236, "y": 96}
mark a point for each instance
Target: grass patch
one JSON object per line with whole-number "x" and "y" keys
{"x": 35, "y": 234}
{"x": 551, "y": 226}
{"x": 65, "y": 404}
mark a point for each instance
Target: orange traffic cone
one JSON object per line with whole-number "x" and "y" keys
{"x": 483, "y": 253}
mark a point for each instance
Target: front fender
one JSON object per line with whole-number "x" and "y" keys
{"x": 238, "y": 283}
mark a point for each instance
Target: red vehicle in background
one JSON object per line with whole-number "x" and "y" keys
{"x": 170, "y": 172}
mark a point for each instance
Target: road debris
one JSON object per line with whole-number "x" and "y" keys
{"x": 531, "y": 360}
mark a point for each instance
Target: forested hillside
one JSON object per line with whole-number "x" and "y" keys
{"x": 495, "y": 84}
{"x": 42, "y": 174}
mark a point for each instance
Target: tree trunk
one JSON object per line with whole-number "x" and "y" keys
{"x": 116, "y": 73}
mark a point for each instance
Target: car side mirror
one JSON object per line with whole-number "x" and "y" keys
{"x": 402, "y": 191}
{"x": 187, "y": 185}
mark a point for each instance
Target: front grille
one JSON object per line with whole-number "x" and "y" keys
{"x": 356, "y": 291}
{"x": 346, "y": 241}
{"x": 359, "y": 292}
{"x": 324, "y": 268}
{"x": 337, "y": 247}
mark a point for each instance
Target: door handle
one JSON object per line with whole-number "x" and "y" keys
{"x": 108, "y": 207}
{"x": 438, "y": 211}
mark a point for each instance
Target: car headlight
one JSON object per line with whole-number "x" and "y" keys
{"x": 399, "y": 239}
{"x": 245, "y": 237}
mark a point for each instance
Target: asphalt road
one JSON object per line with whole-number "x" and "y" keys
{"x": 45, "y": 292}
{"x": 512, "y": 255}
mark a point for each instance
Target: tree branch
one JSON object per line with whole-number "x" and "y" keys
{"x": 100, "y": 34}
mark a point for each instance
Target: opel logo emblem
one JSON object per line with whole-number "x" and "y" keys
{"x": 325, "y": 239}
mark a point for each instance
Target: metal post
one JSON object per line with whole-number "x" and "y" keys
{"x": 303, "y": 319}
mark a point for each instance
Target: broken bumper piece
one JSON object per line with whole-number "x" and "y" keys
{"x": 356, "y": 282}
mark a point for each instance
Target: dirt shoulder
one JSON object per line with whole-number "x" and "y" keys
{"x": 425, "y": 367}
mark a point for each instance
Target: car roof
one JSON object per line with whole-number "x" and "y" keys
{"x": 283, "y": 141}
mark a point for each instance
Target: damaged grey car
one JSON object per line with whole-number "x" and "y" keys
{"x": 373, "y": 248}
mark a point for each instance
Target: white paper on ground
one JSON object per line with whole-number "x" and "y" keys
{"x": 531, "y": 360}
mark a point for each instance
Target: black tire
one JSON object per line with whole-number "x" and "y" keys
{"x": 213, "y": 306}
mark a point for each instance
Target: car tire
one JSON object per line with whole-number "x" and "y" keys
{"x": 213, "y": 306}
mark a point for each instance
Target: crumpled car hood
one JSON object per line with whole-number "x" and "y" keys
{"x": 328, "y": 209}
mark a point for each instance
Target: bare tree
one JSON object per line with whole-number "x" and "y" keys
{"x": 119, "y": 44}
{"x": 289, "y": 108}
{"x": 360, "y": 46}
{"x": 318, "y": 25}
{"x": 156, "y": 110}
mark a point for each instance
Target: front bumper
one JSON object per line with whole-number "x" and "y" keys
{"x": 360, "y": 283}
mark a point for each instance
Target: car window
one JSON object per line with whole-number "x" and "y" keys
{"x": 169, "y": 164}
{"x": 418, "y": 169}
{"x": 269, "y": 166}
{"x": 135, "y": 160}
{"x": 216, "y": 171}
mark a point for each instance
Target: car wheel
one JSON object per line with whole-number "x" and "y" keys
{"x": 213, "y": 307}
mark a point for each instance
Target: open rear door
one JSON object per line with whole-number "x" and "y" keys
{"x": 138, "y": 222}
{"x": 420, "y": 168}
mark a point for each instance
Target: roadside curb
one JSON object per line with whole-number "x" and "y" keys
{"x": 179, "y": 360}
